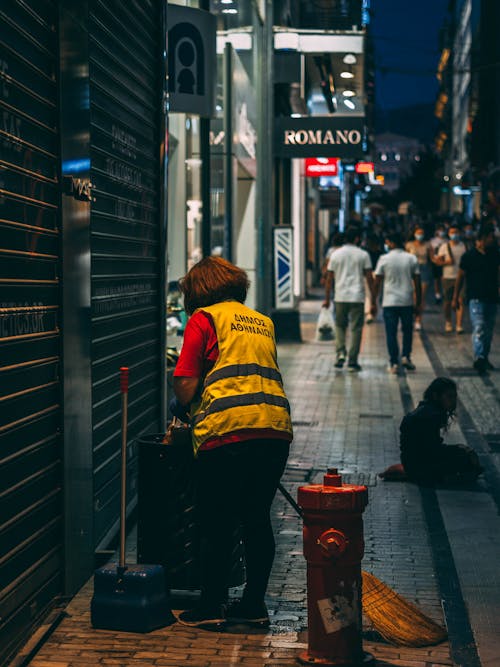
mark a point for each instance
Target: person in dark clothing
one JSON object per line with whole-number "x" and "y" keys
{"x": 480, "y": 268}
{"x": 426, "y": 459}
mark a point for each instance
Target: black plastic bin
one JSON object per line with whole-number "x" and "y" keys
{"x": 167, "y": 533}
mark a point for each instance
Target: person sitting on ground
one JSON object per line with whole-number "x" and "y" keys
{"x": 424, "y": 456}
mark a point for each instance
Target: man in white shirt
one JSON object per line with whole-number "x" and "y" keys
{"x": 399, "y": 272}
{"x": 348, "y": 267}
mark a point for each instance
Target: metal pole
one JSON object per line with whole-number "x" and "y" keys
{"x": 123, "y": 494}
{"x": 163, "y": 215}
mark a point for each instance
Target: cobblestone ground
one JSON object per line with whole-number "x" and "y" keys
{"x": 344, "y": 420}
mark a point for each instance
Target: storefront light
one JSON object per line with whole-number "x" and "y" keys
{"x": 226, "y": 2}
{"x": 349, "y": 59}
{"x": 348, "y": 93}
{"x": 349, "y": 104}
{"x": 229, "y": 11}
{"x": 346, "y": 75}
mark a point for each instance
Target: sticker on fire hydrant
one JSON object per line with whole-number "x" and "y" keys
{"x": 338, "y": 612}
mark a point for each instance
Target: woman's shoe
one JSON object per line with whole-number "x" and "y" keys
{"x": 211, "y": 618}
{"x": 448, "y": 327}
{"x": 241, "y": 611}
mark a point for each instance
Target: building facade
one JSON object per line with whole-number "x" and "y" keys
{"x": 468, "y": 108}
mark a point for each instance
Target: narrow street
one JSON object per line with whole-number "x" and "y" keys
{"x": 437, "y": 548}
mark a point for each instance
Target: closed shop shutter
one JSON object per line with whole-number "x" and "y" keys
{"x": 125, "y": 49}
{"x": 30, "y": 400}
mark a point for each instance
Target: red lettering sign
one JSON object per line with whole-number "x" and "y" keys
{"x": 322, "y": 166}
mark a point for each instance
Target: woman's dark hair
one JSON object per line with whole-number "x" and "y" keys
{"x": 213, "y": 280}
{"x": 436, "y": 389}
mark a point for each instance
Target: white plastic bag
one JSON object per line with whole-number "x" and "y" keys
{"x": 325, "y": 326}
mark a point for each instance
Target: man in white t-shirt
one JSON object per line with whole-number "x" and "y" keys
{"x": 399, "y": 272}
{"x": 348, "y": 267}
{"x": 449, "y": 255}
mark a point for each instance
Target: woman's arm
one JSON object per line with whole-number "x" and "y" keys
{"x": 185, "y": 388}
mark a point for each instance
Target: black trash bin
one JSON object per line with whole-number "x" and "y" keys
{"x": 167, "y": 532}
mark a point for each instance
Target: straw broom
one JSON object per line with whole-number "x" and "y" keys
{"x": 398, "y": 621}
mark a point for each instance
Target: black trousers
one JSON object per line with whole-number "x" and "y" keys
{"x": 236, "y": 486}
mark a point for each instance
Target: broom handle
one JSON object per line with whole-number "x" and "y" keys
{"x": 123, "y": 494}
{"x": 292, "y": 502}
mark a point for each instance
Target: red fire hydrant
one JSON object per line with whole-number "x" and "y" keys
{"x": 333, "y": 548}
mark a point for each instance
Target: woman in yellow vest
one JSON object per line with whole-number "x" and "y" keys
{"x": 228, "y": 374}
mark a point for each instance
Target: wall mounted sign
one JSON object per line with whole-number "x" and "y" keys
{"x": 322, "y": 166}
{"x": 283, "y": 267}
{"x": 191, "y": 60}
{"x": 320, "y": 136}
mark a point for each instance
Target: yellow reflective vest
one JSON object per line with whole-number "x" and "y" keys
{"x": 244, "y": 389}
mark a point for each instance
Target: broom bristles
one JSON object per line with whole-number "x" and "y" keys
{"x": 400, "y": 622}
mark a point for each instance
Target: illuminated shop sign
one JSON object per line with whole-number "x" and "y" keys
{"x": 319, "y": 136}
{"x": 322, "y": 166}
{"x": 365, "y": 168}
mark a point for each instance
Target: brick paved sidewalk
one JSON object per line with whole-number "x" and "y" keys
{"x": 345, "y": 420}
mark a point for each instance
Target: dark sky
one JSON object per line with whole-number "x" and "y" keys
{"x": 406, "y": 35}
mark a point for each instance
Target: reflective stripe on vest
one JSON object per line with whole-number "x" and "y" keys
{"x": 244, "y": 389}
{"x": 241, "y": 400}
{"x": 243, "y": 370}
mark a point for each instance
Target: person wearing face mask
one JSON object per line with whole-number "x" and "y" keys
{"x": 436, "y": 242}
{"x": 449, "y": 255}
{"x": 421, "y": 249}
{"x": 480, "y": 268}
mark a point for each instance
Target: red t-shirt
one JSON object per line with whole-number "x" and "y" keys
{"x": 200, "y": 351}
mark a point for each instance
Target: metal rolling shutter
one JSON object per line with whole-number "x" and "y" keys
{"x": 30, "y": 401}
{"x": 124, "y": 80}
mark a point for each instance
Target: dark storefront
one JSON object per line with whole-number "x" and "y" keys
{"x": 31, "y": 536}
{"x": 82, "y": 242}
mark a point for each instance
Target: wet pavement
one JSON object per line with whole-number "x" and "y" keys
{"x": 439, "y": 549}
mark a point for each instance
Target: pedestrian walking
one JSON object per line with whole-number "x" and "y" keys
{"x": 449, "y": 256}
{"x": 398, "y": 271}
{"x": 228, "y": 374}
{"x": 418, "y": 246}
{"x": 348, "y": 267}
{"x": 426, "y": 459}
{"x": 480, "y": 269}
{"x": 374, "y": 247}
{"x": 440, "y": 236}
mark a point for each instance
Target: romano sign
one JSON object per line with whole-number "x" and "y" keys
{"x": 319, "y": 136}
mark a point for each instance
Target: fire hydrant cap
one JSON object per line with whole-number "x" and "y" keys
{"x": 333, "y": 495}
